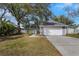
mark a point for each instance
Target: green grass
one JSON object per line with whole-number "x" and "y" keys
{"x": 26, "y": 45}
{"x": 73, "y": 35}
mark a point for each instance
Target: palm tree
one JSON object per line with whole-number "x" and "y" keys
{"x": 6, "y": 27}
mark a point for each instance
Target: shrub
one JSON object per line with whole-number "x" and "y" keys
{"x": 6, "y": 28}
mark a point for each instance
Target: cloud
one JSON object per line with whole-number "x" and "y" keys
{"x": 67, "y": 4}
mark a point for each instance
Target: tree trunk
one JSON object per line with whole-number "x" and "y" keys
{"x": 37, "y": 28}
{"x": 19, "y": 29}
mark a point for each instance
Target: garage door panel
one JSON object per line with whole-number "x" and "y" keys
{"x": 48, "y": 31}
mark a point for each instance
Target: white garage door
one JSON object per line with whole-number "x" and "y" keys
{"x": 51, "y": 31}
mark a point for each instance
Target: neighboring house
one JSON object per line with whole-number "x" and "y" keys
{"x": 53, "y": 28}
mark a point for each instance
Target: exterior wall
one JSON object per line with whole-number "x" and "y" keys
{"x": 52, "y": 31}
{"x": 64, "y": 31}
{"x": 41, "y": 30}
{"x": 57, "y": 31}
{"x": 70, "y": 31}
{"x": 23, "y": 31}
{"x": 77, "y": 30}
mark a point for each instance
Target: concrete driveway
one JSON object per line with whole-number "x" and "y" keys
{"x": 67, "y": 46}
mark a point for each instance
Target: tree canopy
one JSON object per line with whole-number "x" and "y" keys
{"x": 63, "y": 19}
{"x": 39, "y": 13}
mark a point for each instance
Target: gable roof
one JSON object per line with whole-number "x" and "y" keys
{"x": 54, "y": 23}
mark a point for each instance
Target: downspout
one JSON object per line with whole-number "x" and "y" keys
{"x": 63, "y": 30}
{"x": 66, "y": 30}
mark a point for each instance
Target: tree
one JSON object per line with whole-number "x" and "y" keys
{"x": 15, "y": 10}
{"x": 18, "y": 12}
{"x": 41, "y": 14}
{"x": 38, "y": 13}
{"x": 42, "y": 11}
{"x": 63, "y": 19}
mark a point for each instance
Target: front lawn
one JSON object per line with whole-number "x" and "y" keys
{"x": 25, "y": 45}
{"x": 73, "y": 35}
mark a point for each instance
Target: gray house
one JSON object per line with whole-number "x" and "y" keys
{"x": 53, "y": 28}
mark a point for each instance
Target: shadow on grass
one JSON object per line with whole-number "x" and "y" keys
{"x": 11, "y": 37}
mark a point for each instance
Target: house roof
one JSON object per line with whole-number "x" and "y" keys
{"x": 54, "y": 23}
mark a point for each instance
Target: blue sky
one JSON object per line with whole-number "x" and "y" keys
{"x": 58, "y": 9}
{"x": 8, "y": 16}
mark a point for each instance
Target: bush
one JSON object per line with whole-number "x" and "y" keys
{"x": 6, "y": 28}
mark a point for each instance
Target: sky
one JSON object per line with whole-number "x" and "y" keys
{"x": 8, "y": 16}
{"x": 55, "y": 8}
{"x": 58, "y": 9}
